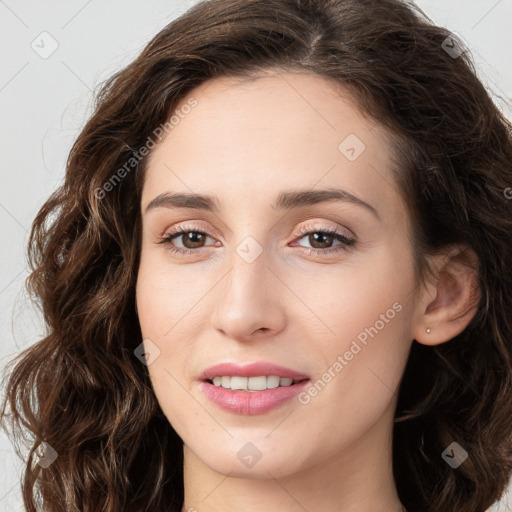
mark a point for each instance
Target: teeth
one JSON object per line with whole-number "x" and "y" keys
{"x": 238, "y": 382}
{"x": 251, "y": 383}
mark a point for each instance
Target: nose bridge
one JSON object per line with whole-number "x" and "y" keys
{"x": 249, "y": 267}
{"x": 247, "y": 301}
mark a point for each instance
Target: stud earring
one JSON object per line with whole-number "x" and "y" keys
{"x": 428, "y": 330}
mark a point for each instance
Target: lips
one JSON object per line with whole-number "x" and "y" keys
{"x": 251, "y": 402}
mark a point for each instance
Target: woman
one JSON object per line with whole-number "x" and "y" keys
{"x": 199, "y": 355}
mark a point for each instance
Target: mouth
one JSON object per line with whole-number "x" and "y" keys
{"x": 252, "y": 389}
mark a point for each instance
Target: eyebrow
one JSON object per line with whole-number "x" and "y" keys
{"x": 287, "y": 200}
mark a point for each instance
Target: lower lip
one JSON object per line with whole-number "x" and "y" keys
{"x": 251, "y": 402}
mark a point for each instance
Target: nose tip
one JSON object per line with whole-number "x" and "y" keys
{"x": 243, "y": 330}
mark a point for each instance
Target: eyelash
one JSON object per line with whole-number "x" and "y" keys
{"x": 346, "y": 242}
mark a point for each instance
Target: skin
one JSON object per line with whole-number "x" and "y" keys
{"x": 246, "y": 142}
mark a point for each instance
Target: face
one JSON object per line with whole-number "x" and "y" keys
{"x": 321, "y": 285}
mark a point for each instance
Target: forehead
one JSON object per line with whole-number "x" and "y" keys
{"x": 251, "y": 139}
{"x": 272, "y": 109}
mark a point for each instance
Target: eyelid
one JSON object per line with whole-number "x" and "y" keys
{"x": 179, "y": 230}
{"x": 188, "y": 227}
{"x": 306, "y": 229}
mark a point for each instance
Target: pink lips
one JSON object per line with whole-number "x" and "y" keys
{"x": 247, "y": 402}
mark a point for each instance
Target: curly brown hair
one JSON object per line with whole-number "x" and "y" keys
{"x": 82, "y": 390}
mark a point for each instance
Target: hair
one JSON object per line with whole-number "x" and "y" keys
{"x": 82, "y": 390}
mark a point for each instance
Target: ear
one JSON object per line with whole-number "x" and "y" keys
{"x": 449, "y": 300}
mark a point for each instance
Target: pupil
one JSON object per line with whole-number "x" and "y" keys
{"x": 321, "y": 235}
{"x": 191, "y": 237}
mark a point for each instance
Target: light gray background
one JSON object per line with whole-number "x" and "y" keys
{"x": 45, "y": 102}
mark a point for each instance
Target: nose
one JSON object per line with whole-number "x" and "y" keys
{"x": 250, "y": 298}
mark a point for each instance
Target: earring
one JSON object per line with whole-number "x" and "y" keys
{"x": 428, "y": 330}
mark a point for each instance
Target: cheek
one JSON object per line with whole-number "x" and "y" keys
{"x": 359, "y": 369}
{"x": 152, "y": 303}
{"x": 365, "y": 323}
{"x": 348, "y": 298}
{"x": 168, "y": 309}
{"x": 159, "y": 310}
{"x": 166, "y": 296}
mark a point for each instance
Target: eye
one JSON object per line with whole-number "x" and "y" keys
{"x": 192, "y": 237}
{"x": 325, "y": 236}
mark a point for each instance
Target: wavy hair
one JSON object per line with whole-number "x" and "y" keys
{"x": 82, "y": 390}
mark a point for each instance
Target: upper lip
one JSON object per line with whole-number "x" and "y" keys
{"x": 251, "y": 370}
